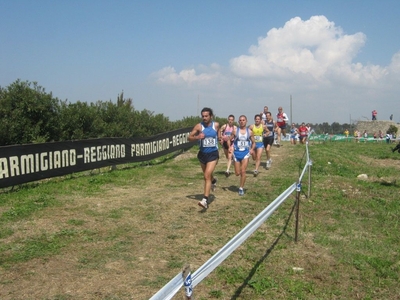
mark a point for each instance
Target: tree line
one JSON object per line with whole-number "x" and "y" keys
{"x": 31, "y": 115}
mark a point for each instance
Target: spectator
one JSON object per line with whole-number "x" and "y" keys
{"x": 309, "y": 129}
{"x": 355, "y": 134}
{"x": 380, "y": 135}
{"x": 374, "y": 113}
{"x": 388, "y": 137}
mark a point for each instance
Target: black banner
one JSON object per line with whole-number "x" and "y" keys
{"x": 26, "y": 163}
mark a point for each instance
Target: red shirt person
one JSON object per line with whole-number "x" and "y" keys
{"x": 374, "y": 113}
{"x": 303, "y": 131}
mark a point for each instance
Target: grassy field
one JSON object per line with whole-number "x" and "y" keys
{"x": 124, "y": 234}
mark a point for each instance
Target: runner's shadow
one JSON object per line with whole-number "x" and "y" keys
{"x": 198, "y": 197}
{"x": 231, "y": 188}
{"x": 195, "y": 197}
{"x": 261, "y": 260}
{"x": 222, "y": 173}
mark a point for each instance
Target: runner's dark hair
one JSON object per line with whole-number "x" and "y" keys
{"x": 210, "y": 111}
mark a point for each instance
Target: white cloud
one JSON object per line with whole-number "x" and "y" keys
{"x": 395, "y": 63}
{"x": 315, "y": 47}
{"x": 314, "y": 60}
{"x": 190, "y": 77}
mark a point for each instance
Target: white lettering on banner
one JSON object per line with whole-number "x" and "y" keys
{"x": 143, "y": 149}
{"x": 32, "y": 163}
{"x": 103, "y": 152}
{"x": 180, "y": 139}
{"x": 29, "y": 163}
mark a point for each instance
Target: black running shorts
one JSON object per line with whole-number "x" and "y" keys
{"x": 269, "y": 140}
{"x": 204, "y": 158}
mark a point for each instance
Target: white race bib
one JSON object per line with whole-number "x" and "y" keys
{"x": 242, "y": 145}
{"x": 209, "y": 142}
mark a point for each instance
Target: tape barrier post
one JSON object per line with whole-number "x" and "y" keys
{"x": 309, "y": 179}
{"x": 187, "y": 282}
{"x": 298, "y": 190}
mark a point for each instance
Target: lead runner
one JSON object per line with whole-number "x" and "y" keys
{"x": 206, "y": 132}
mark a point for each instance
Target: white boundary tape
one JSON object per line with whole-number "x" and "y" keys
{"x": 172, "y": 287}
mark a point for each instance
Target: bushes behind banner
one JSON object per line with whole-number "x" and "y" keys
{"x": 31, "y": 115}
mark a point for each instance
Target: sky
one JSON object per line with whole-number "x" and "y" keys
{"x": 322, "y": 61}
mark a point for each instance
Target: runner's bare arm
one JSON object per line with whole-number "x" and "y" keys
{"x": 266, "y": 130}
{"x": 253, "y": 141}
{"x": 233, "y": 135}
{"x": 196, "y": 133}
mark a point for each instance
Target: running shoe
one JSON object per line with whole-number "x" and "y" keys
{"x": 203, "y": 203}
{"x": 214, "y": 185}
{"x": 227, "y": 174}
{"x": 241, "y": 192}
{"x": 255, "y": 173}
{"x": 268, "y": 165}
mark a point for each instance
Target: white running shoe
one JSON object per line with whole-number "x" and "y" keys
{"x": 241, "y": 192}
{"x": 268, "y": 165}
{"x": 203, "y": 203}
{"x": 255, "y": 173}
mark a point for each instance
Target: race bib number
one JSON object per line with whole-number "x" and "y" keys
{"x": 243, "y": 145}
{"x": 209, "y": 142}
{"x": 258, "y": 138}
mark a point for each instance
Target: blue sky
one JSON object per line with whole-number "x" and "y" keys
{"x": 338, "y": 60}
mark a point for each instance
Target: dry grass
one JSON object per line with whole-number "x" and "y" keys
{"x": 130, "y": 239}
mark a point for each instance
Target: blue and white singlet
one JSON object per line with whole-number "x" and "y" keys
{"x": 242, "y": 141}
{"x": 209, "y": 143}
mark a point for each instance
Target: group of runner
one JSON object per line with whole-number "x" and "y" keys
{"x": 239, "y": 143}
{"x": 301, "y": 133}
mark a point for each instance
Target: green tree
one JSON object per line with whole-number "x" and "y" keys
{"x": 28, "y": 114}
{"x": 336, "y": 128}
{"x": 79, "y": 121}
{"x": 325, "y": 127}
{"x": 392, "y": 129}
